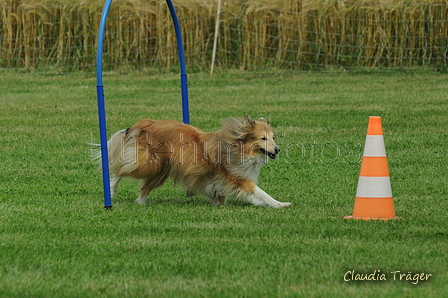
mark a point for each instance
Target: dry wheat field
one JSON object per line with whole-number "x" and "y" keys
{"x": 286, "y": 34}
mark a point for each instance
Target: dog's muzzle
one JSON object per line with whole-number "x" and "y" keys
{"x": 271, "y": 155}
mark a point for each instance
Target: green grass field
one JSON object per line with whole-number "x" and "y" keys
{"x": 56, "y": 239}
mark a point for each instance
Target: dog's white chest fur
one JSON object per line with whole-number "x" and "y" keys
{"x": 250, "y": 168}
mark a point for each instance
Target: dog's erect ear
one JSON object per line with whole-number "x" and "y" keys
{"x": 263, "y": 120}
{"x": 249, "y": 120}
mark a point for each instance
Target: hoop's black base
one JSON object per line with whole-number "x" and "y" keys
{"x": 108, "y": 207}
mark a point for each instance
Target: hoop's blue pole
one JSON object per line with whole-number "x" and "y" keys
{"x": 183, "y": 69}
{"x": 101, "y": 107}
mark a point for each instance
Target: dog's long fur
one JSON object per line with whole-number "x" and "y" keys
{"x": 217, "y": 164}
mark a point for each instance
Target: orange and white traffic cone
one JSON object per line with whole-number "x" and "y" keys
{"x": 374, "y": 194}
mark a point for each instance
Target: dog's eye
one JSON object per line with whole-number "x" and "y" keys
{"x": 263, "y": 138}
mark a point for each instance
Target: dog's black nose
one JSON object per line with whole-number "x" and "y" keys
{"x": 277, "y": 150}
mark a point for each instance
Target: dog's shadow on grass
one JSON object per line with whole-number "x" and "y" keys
{"x": 182, "y": 201}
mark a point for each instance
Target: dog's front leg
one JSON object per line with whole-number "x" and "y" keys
{"x": 261, "y": 198}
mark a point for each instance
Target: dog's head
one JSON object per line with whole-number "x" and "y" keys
{"x": 263, "y": 138}
{"x": 257, "y": 136}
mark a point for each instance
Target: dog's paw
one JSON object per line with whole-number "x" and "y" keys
{"x": 140, "y": 201}
{"x": 285, "y": 205}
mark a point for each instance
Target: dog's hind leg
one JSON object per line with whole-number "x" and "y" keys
{"x": 261, "y": 198}
{"x": 145, "y": 189}
{"x": 147, "y": 185}
{"x": 113, "y": 185}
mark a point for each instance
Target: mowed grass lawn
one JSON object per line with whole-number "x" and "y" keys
{"x": 57, "y": 240}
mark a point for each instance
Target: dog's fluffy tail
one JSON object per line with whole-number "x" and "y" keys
{"x": 95, "y": 152}
{"x": 114, "y": 146}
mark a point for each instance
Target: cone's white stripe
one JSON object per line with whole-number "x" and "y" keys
{"x": 374, "y": 187}
{"x": 374, "y": 146}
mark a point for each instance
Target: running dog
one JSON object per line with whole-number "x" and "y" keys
{"x": 216, "y": 164}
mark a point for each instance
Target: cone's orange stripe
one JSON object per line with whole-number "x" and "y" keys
{"x": 367, "y": 198}
{"x": 374, "y": 167}
{"x": 375, "y": 127}
{"x": 374, "y": 208}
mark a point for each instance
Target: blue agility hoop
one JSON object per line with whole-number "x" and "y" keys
{"x": 183, "y": 69}
{"x": 100, "y": 92}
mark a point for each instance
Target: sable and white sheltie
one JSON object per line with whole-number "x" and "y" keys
{"x": 217, "y": 164}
